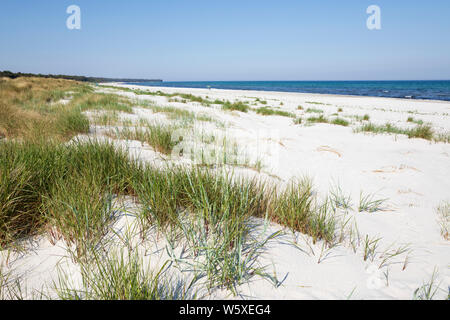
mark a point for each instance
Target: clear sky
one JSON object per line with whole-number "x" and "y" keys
{"x": 228, "y": 39}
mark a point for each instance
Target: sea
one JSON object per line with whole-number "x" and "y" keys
{"x": 430, "y": 89}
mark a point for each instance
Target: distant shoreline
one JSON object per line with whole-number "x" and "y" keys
{"x": 13, "y": 75}
{"x": 213, "y": 85}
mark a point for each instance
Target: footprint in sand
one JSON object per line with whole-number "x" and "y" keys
{"x": 395, "y": 169}
{"x": 328, "y": 149}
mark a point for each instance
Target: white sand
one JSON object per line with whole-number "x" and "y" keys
{"x": 413, "y": 174}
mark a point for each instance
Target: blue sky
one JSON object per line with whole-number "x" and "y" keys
{"x": 228, "y": 40}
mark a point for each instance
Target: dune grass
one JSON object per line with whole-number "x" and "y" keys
{"x": 340, "y": 122}
{"x": 69, "y": 187}
{"x": 105, "y": 118}
{"x": 411, "y": 119}
{"x": 267, "y": 111}
{"x": 238, "y": 106}
{"x": 120, "y": 276}
{"x": 201, "y": 190}
{"x": 64, "y": 186}
{"x": 29, "y": 109}
{"x": 443, "y": 211}
{"x": 313, "y": 110}
{"x": 322, "y": 119}
{"x": 318, "y": 119}
{"x": 420, "y": 131}
{"x": 157, "y": 135}
{"x": 184, "y": 96}
{"x": 10, "y": 288}
{"x": 68, "y": 190}
{"x": 368, "y": 203}
{"x": 298, "y": 120}
{"x": 428, "y": 290}
{"x": 339, "y": 199}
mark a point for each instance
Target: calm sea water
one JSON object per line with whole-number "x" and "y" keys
{"x": 438, "y": 90}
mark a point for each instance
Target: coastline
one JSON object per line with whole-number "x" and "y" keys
{"x": 216, "y": 86}
{"x": 262, "y": 92}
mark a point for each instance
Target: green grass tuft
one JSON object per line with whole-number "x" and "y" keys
{"x": 266, "y": 111}
{"x": 238, "y": 106}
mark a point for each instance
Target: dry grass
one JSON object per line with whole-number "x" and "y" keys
{"x": 29, "y": 109}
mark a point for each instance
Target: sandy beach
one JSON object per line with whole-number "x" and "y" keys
{"x": 386, "y": 250}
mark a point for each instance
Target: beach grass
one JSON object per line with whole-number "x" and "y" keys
{"x": 339, "y": 199}
{"x": 30, "y": 108}
{"x": 428, "y": 290}
{"x": 420, "y": 131}
{"x": 313, "y": 110}
{"x": 267, "y": 111}
{"x": 443, "y": 211}
{"x": 157, "y": 135}
{"x": 318, "y": 119}
{"x": 120, "y": 276}
{"x": 238, "y": 106}
{"x": 411, "y": 119}
{"x": 368, "y": 203}
{"x": 68, "y": 191}
{"x": 315, "y": 102}
{"x": 63, "y": 186}
{"x": 340, "y": 122}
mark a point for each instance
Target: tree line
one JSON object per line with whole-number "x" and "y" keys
{"x": 13, "y": 75}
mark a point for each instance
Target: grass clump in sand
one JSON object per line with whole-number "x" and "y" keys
{"x": 174, "y": 113}
{"x": 201, "y": 190}
{"x": 47, "y": 185}
{"x": 214, "y": 214}
{"x": 298, "y": 120}
{"x": 313, "y": 110}
{"x": 411, "y": 119}
{"x": 339, "y": 199}
{"x": 297, "y": 208}
{"x": 10, "y": 288}
{"x": 318, "y": 119}
{"x": 443, "y": 211}
{"x": 340, "y": 122}
{"x": 318, "y": 103}
{"x": 368, "y": 203}
{"x": 120, "y": 276}
{"x": 157, "y": 135}
{"x": 107, "y": 118}
{"x": 428, "y": 290}
{"x": 267, "y": 111}
{"x": 102, "y": 101}
{"x": 238, "y": 106}
{"x": 321, "y": 119}
{"x": 420, "y": 131}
